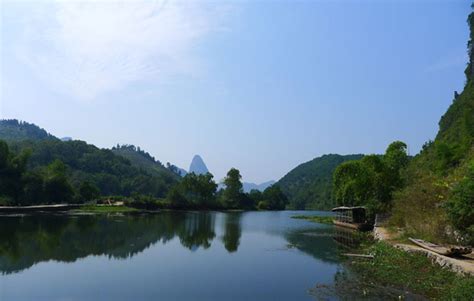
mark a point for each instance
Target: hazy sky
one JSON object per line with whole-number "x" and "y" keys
{"x": 258, "y": 85}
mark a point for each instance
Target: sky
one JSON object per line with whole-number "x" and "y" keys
{"x": 259, "y": 85}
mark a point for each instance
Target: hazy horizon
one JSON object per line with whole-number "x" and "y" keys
{"x": 261, "y": 86}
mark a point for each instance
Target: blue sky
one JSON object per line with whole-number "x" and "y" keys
{"x": 258, "y": 85}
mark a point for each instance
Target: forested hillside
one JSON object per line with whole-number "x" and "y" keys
{"x": 14, "y": 130}
{"x": 42, "y": 169}
{"x": 142, "y": 159}
{"x": 439, "y": 195}
{"x": 309, "y": 185}
{"x": 432, "y": 195}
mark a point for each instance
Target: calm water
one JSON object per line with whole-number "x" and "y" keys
{"x": 167, "y": 256}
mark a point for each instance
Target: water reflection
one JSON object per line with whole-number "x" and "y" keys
{"x": 315, "y": 242}
{"x": 232, "y": 231}
{"x": 25, "y": 241}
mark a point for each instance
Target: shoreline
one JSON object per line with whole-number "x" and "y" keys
{"x": 463, "y": 265}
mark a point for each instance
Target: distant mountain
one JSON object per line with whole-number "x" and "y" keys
{"x": 182, "y": 172}
{"x": 309, "y": 185}
{"x": 261, "y": 187}
{"x": 198, "y": 166}
{"x": 15, "y": 130}
{"x": 66, "y": 139}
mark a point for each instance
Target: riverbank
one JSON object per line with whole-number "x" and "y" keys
{"x": 461, "y": 265}
{"x": 410, "y": 272}
{"x": 406, "y": 269}
{"x": 67, "y": 208}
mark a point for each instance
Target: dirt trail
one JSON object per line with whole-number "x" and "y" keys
{"x": 464, "y": 265}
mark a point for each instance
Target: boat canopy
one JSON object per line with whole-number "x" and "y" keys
{"x": 350, "y": 214}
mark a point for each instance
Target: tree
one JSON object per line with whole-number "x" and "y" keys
{"x": 396, "y": 156}
{"x": 350, "y": 183}
{"x": 57, "y": 188}
{"x": 233, "y": 192}
{"x": 273, "y": 199}
{"x": 371, "y": 180}
{"x": 196, "y": 191}
{"x": 460, "y": 207}
{"x": 88, "y": 191}
{"x": 256, "y": 196}
{"x": 176, "y": 198}
{"x": 12, "y": 169}
{"x": 396, "y": 159}
{"x": 33, "y": 188}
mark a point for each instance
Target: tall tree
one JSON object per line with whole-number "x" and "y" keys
{"x": 194, "y": 190}
{"x": 233, "y": 192}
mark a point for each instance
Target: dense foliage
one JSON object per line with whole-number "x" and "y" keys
{"x": 143, "y": 160}
{"x": 194, "y": 191}
{"x": 19, "y": 186}
{"x": 38, "y": 168}
{"x": 200, "y": 192}
{"x": 371, "y": 180}
{"x": 112, "y": 174}
{"x": 309, "y": 185}
{"x": 460, "y": 206}
{"x": 439, "y": 181}
{"x": 14, "y": 130}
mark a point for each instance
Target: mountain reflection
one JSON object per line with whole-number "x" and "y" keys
{"x": 27, "y": 240}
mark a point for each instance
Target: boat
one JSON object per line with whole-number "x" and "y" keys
{"x": 446, "y": 250}
{"x": 354, "y": 218}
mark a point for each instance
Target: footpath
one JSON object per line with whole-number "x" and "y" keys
{"x": 462, "y": 265}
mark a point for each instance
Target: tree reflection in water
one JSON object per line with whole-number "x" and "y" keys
{"x": 232, "y": 231}
{"x": 25, "y": 241}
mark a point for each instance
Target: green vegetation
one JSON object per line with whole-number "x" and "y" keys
{"x": 409, "y": 271}
{"x": 233, "y": 196}
{"x": 38, "y": 168}
{"x": 143, "y": 160}
{"x": 371, "y": 180}
{"x": 200, "y": 192}
{"x": 438, "y": 191}
{"x": 106, "y": 209}
{"x": 19, "y": 186}
{"x": 194, "y": 191}
{"x": 14, "y": 130}
{"x": 328, "y": 220}
{"x": 25, "y": 241}
{"x": 309, "y": 185}
{"x": 272, "y": 198}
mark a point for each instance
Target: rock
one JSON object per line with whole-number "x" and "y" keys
{"x": 198, "y": 166}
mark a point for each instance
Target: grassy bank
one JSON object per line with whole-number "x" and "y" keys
{"x": 316, "y": 219}
{"x": 398, "y": 269}
{"x": 106, "y": 209}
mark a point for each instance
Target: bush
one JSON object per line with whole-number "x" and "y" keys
{"x": 460, "y": 206}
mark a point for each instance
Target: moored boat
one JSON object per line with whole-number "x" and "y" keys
{"x": 354, "y": 218}
{"x": 446, "y": 250}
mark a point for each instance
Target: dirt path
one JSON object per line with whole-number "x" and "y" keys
{"x": 463, "y": 265}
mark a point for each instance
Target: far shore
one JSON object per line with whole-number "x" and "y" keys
{"x": 98, "y": 208}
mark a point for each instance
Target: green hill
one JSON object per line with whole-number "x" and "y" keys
{"x": 112, "y": 172}
{"x": 143, "y": 160}
{"x": 439, "y": 192}
{"x": 14, "y": 130}
{"x": 309, "y": 185}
